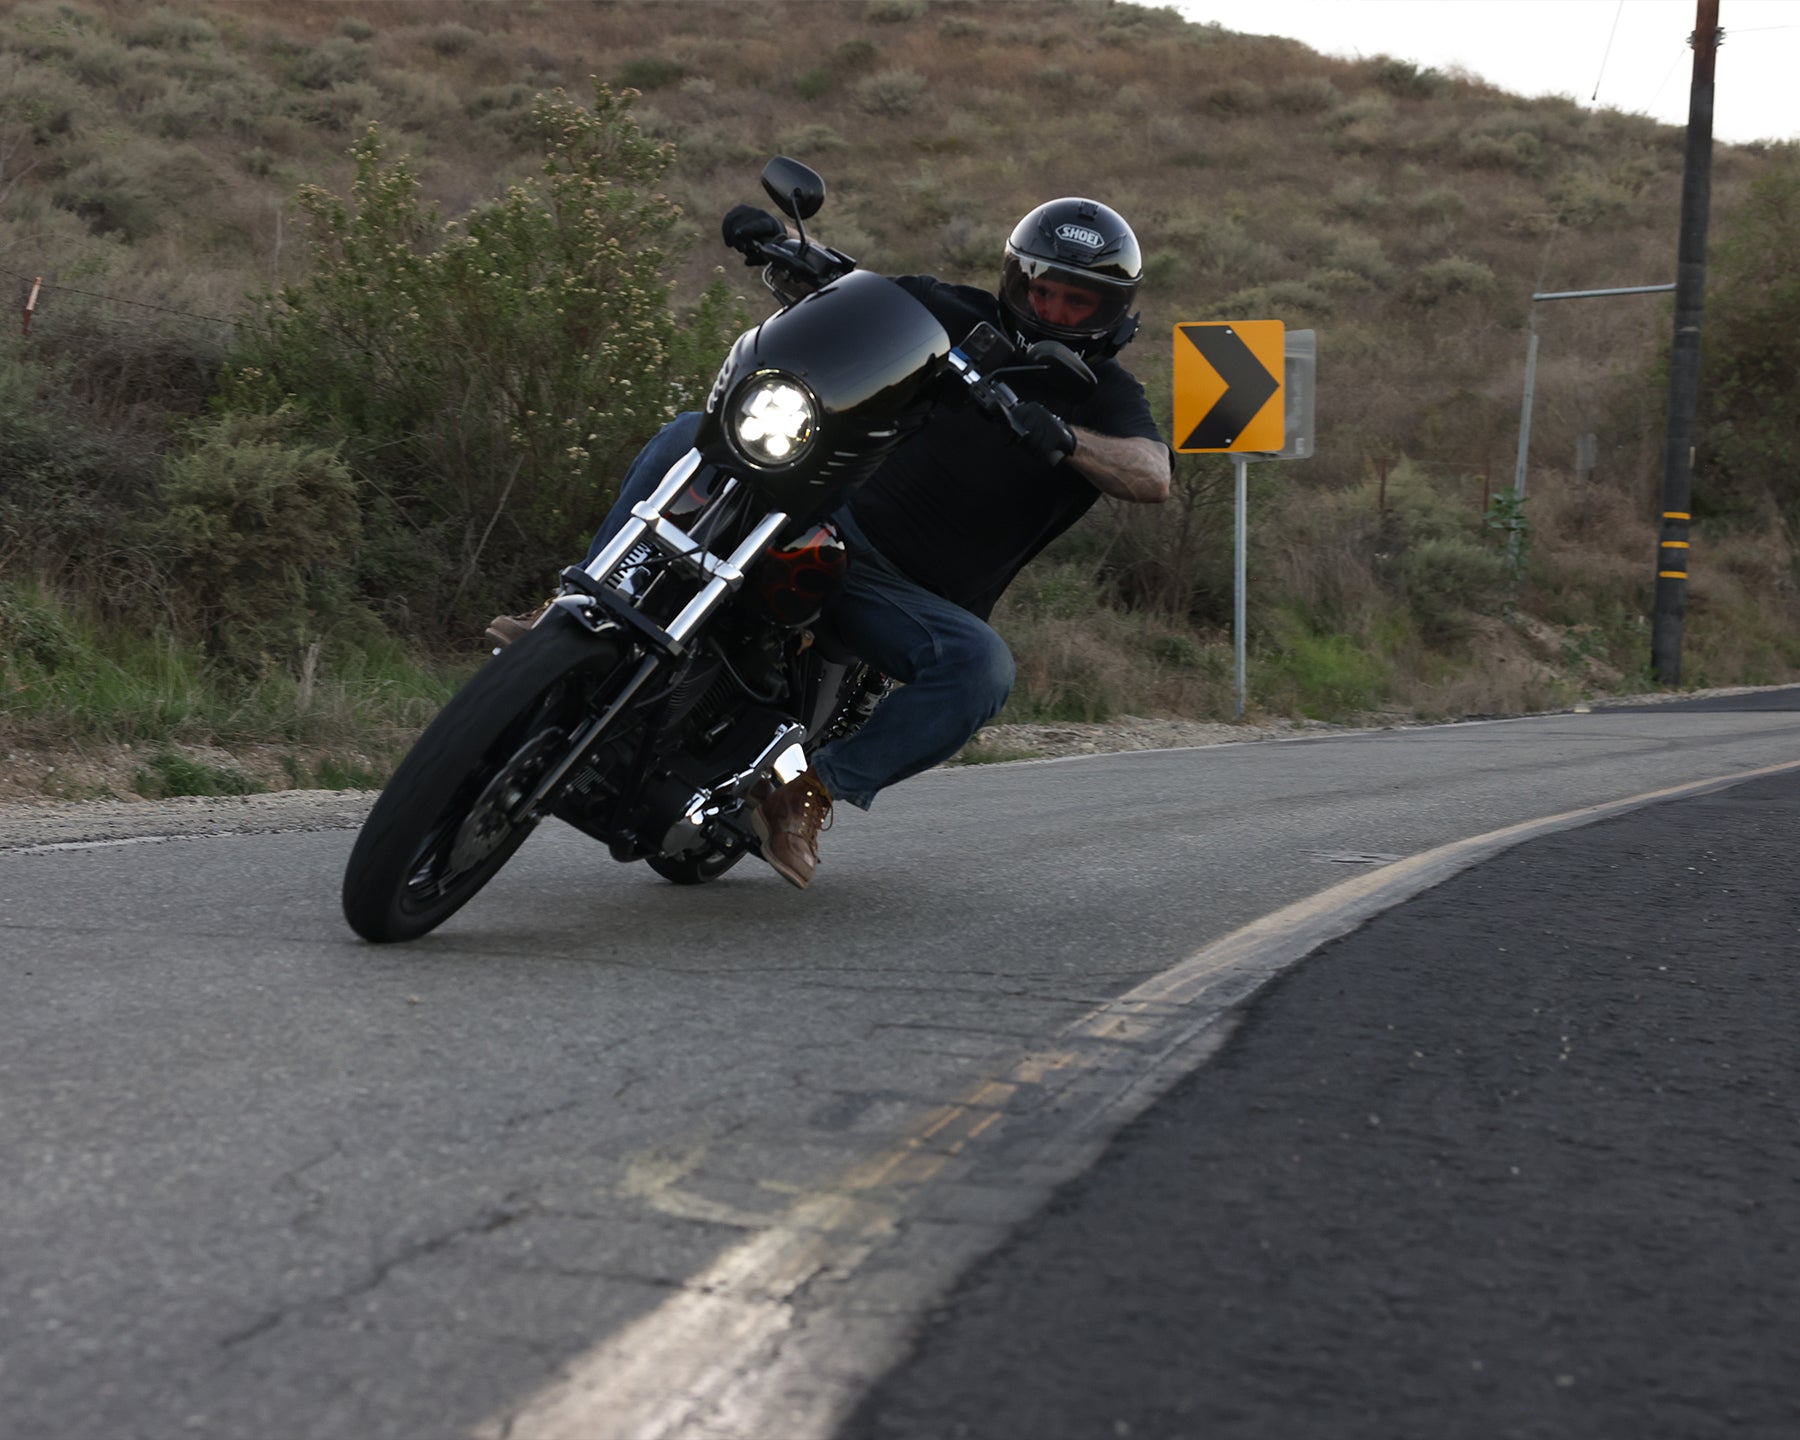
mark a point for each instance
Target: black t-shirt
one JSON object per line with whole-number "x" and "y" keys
{"x": 961, "y": 506}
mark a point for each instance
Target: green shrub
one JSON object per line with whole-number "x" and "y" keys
{"x": 1360, "y": 198}
{"x": 1438, "y": 203}
{"x": 38, "y": 107}
{"x": 1278, "y": 300}
{"x": 67, "y": 481}
{"x": 335, "y": 61}
{"x": 649, "y": 72}
{"x": 491, "y": 377}
{"x": 92, "y": 678}
{"x": 31, "y": 628}
{"x": 811, "y": 84}
{"x": 855, "y": 56}
{"x": 1586, "y": 199}
{"x": 1407, "y": 80}
{"x": 1183, "y": 652}
{"x": 111, "y": 197}
{"x": 1517, "y": 151}
{"x": 97, "y": 62}
{"x": 803, "y": 140}
{"x": 1364, "y": 110}
{"x": 1453, "y": 275}
{"x": 1313, "y": 95}
{"x": 253, "y": 529}
{"x": 1163, "y": 267}
{"x": 893, "y": 12}
{"x": 1320, "y": 676}
{"x": 891, "y": 94}
{"x": 1449, "y": 580}
{"x": 451, "y": 40}
{"x": 1749, "y": 437}
{"x": 162, "y": 29}
{"x": 1054, "y": 591}
{"x": 169, "y": 774}
{"x": 1234, "y": 98}
{"x": 1360, "y": 254}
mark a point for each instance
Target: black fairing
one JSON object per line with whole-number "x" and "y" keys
{"x": 868, "y": 352}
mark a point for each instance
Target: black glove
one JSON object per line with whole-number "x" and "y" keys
{"x": 744, "y": 225}
{"x": 1045, "y": 433}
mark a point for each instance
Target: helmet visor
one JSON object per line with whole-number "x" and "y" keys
{"x": 1062, "y": 301}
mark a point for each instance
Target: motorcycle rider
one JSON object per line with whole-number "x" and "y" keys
{"x": 939, "y": 532}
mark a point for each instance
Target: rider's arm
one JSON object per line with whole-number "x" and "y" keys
{"x": 1127, "y": 467}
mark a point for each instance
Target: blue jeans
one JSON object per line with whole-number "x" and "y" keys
{"x": 955, "y": 672}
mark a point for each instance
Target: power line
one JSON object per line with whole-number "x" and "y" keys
{"x": 1611, "y": 35}
{"x": 1657, "y": 94}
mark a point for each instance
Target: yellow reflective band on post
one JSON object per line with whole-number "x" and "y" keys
{"x": 1675, "y": 545}
{"x": 1676, "y": 515}
{"x": 1671, "y": 574}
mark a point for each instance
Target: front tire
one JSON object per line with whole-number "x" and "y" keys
{"x": 447, "y": 821}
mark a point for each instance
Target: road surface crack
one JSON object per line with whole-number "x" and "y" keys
{"x": 507, "y": 1213}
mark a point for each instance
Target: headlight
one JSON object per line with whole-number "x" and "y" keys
{"x": 773, "y": 420}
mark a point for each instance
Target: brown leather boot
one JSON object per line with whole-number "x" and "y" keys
{"x": 502, "y": 630}
{"x": 788, "y": 822}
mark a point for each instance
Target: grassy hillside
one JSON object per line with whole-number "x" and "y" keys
{"x": 150, "y": 155}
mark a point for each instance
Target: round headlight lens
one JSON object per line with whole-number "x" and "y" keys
{"x": 773, "y": 421}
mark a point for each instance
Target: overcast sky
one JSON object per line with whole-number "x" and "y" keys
{"x": 1560, "y": 47}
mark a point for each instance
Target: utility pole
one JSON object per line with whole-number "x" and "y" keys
{"x": 1684, "y": 356}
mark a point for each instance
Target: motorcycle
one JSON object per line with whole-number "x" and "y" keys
{"x": 690, "y": 666}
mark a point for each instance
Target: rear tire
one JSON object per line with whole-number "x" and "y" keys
{"x": 444, "y": 827}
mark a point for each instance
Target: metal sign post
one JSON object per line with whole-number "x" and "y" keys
{"x": 1240, "y": 464}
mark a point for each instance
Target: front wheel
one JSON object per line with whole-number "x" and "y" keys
{"x": 450, "y": 817}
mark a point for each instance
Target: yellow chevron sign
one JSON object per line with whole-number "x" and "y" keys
{"x": 1228, "y": 386}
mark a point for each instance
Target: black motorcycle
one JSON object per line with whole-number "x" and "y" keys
{"x": 690, "y": 665}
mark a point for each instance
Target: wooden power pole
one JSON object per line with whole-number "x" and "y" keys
{"x": 1684, "y": 356}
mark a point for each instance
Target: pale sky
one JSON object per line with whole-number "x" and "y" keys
{"x": 1560, "y": 47}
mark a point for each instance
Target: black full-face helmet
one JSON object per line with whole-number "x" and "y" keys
{"x": 1071, "y": 273}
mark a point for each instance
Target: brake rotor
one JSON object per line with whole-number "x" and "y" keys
{"x": 491, "y": 818}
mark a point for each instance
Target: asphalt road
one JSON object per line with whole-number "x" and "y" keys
{"x": 1518, "y": 1159}
{"x": 263, "y": 1180}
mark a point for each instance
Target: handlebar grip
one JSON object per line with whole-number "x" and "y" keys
{"x": 1045, "y": 433}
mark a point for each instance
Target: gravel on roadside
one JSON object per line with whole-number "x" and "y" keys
{"x": 29, "y": 823}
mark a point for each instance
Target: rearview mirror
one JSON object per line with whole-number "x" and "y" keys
{"x": 796, "y": 188}
{"x": 1054, "y": 352}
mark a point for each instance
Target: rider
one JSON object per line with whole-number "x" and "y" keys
{"x": 937, "y": 534}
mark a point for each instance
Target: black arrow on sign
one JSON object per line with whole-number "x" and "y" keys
{"x": 1248, "y": 386}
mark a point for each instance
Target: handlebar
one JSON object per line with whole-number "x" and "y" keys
{"x": 985, "y": 355}
{"x": 806, "y": 266}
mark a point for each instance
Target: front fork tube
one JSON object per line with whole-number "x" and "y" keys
{"x": 723, "y": 574}
{"x": 617, "y": 548}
